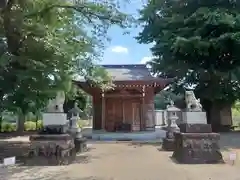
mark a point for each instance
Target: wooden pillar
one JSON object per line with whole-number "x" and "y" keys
{"x": 103, "y": 111}
{"x": 143, "y": 109}
{"x": 93, "y": 112}
{"x": 123, "y": 111}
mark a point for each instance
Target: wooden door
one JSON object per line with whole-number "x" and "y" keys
{"x": 113, "y": 113}
{"x": 127, "y": 111}
{"x": 136, "y": 116}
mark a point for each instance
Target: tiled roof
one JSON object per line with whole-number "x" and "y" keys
{"x": 131, "y": 72}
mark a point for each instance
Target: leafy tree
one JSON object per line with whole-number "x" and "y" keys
{"x": 163, "y": 99}
{"x": 198, "y": 42}
{"x": 43, "y": 43}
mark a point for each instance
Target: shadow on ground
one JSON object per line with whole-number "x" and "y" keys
{"x": 20, "y": 150}
{"x": 230, "y": 141}
{"x": 13, "y": 148}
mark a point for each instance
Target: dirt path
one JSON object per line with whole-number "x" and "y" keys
{"x": 124, "y": 161}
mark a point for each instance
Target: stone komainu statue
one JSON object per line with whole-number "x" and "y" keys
{"x": 192, "y": 103}
{"x": 56, "y": 104}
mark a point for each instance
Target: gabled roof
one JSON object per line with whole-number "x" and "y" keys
{"x": 129, "y": 75}
{"x": 130, "y": 72}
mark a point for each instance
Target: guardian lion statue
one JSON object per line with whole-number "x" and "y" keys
{"x": 56, "y": 105}
{"x": 192, "y": 103}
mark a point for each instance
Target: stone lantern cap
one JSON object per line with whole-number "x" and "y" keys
{"x": 75, "y": 111}
{"x": 172, "y": 107}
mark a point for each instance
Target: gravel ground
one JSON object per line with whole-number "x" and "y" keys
{"x": 127, "y": 161}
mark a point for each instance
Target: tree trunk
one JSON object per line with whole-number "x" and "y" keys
{"x": 1, "y": 119}
{"x": 20, "y": 125}
{"x": 3, "y": 3}
{"x": 218, "y": 115}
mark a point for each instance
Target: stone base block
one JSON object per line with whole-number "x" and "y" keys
{"x": 54, "y": 119}
{"x": 80, "y": 144}
{"x": 50, "y": 137}
{"x": 168, "y": 144}
{"x": 195, "y": 128}
{"x": 54, "y": 129}
{"x": 51, "y": 149}
{"x": 195, "y": 148}
{"x": 194, "y": 117}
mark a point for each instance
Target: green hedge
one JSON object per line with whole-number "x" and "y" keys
{"x": 28, "y": 126}
{"x": 31, "y": 125}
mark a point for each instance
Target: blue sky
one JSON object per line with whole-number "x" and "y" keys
{"x": 124, "y": 49}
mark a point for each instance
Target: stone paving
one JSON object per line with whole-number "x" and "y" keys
{"x": 127, "y": 161}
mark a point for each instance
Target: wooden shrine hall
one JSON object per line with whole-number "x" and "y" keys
{"x": 130, "y": 105}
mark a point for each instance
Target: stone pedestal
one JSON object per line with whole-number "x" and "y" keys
{"x": 168, "y": 141}
{"x": 197, "y": 144}
{"x": 52, "y": 149}
{"x": 194, "y": 117}
{"x": 80, "y": 144}
{"x": 168, "y": 144}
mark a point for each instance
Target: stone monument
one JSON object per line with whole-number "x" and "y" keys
{"x": 172, "y": 127}
{"x": 53, "y": 144}
{"x": 196, "y": 143}
{"x": 193, "y": 113}
{"x": 55, "y": 120}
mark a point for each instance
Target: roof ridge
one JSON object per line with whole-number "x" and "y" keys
{"x": 124, "y": 65}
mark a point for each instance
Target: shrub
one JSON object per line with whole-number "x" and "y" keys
{"x": 39, "y": 124}
{"x": 8, "y": 127}
{"x": 29, "y": 126}
{"x": 83, "y": 123}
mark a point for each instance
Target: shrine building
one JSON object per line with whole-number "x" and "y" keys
{"x": 129, "y": 106}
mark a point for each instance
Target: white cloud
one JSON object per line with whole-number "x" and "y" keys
{"x": 146, "y": 59}
{"x": 119, "y": 49}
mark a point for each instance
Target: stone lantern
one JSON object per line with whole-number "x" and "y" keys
{"x": 79, "y": 141}
{"x": 75, "y": 111}
{"x": 168, "y": 141}
{"x": 172, "y": 117}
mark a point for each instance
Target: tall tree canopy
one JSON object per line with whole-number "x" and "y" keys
{"x": 43, "y": 43}
{"x": 198, "y": 42}
{"x": 164, "y": 98}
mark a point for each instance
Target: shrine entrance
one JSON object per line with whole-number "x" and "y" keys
{"x": 122, "y": 114}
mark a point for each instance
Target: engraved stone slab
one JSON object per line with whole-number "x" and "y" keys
{"x": 194, "y": 117}
{"x": 195, "y": 148}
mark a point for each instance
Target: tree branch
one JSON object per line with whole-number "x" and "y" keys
{"x": 82, "y": 9}
{"x": 49, "y": 8}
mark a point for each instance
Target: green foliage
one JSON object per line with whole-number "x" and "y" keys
{"x": 8, "y": 127}
{"x": 163, "y": 99}
{"x": 28, "y": 126}
{"x": 198, "y": 42}
{"x": 44, "y": 43}
{"x": 236, "y": 109}
{"x": 83, "y": 123}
